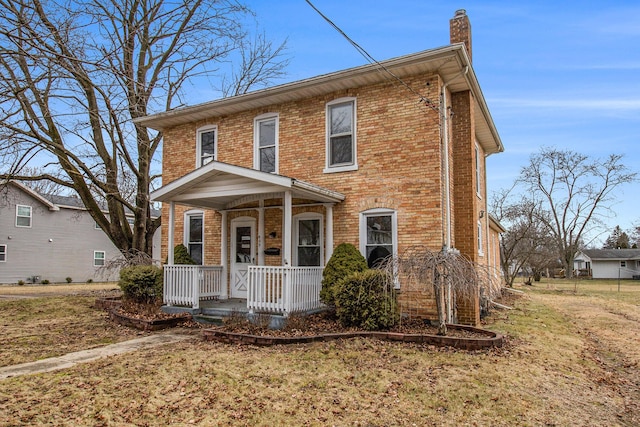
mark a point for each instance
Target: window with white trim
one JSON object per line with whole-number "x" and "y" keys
{"x": 194, "y": 235}
{"x": 378, "y": 235}
{"x": 308, "y": 238}
{"x": 341, "y": 150}
{"x": 206, "y": 145}
{"x": 478, "y": 174}
{"x": 480, "y": 240}
{"x": 623, "y": 264}
{"x": 3, "y": 253}
{"x": 23, "y": 216}
{"x": 98, "y": 258}
{"x": 266, "y": 143}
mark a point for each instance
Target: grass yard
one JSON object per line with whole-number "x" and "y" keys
{"x": 571, "y": 360}
{"x": 47, "y": 321}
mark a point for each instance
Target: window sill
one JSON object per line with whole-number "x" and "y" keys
{"x": 337, "y": 169}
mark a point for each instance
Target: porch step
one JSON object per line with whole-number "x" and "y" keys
{"x": 206, "y": 319}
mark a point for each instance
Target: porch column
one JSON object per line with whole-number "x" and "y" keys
{"x": 224, "y": 258}
{"x": 170, "y": 237}
{"x": 261, "y": 233}
{"x": 286, "y": 229}
{"x": 329, "y": 232}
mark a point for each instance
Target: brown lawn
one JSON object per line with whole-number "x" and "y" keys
{"x": 571, "y": 360}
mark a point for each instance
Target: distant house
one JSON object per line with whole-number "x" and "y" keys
{"x": 51, "y": 238}
{"x": 608, "y": 263}
{"x": 262, "y": 186}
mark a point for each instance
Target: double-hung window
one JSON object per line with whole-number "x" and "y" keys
{"x": 308, "y": 239}
{"x": 194, "y": 235}
{"x": 266, "y": 143}
{"x": 341, "y": 135}
{"x": 478, "y": 170}
{"x": 98, "y": 258}
{"x": 378, "y": 235}
{"x": 3, "y": 253}
{"x": 480, "y": 240}
{"x": 23, "y": 216}
{"x": 206, "y": 145}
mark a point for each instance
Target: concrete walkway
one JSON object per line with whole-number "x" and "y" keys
{"x": 71, "y": 359}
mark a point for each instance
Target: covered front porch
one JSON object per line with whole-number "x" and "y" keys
{"x": 280, "y": 279}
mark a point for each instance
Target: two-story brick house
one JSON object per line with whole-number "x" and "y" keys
{"x": 261, "y": 187}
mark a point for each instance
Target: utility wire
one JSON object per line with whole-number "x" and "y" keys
{"x": 372, "y": 60}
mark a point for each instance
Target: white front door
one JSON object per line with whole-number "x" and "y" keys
{"x": 243, "y": 254}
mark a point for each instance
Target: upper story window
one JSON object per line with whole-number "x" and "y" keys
{"x": 266, "y": 143}
{"x": 23, "y": 216}
{"x": 478, "y": 169}
{"x": 206, "y": 145}
{"x": 480, "y": 239}
{"x": 341, "y": 135}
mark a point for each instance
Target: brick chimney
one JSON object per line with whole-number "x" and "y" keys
{"x": 460, "y": 30}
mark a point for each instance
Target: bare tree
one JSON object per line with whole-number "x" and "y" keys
{"x": 75, "y": 74}
{"x": 44, "y": 187}
{"x": 635, "y": 236}
{"x": 572, "y": 193}
{"x": 526, "y": 246}
{"x": 446, "y": 276}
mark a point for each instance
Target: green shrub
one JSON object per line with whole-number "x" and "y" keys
{"x": 346, "y": 259}
{"x": 141, "y": 283}
{"x": 44, "y": 282}
{"x": 367, "y": 300}
{"x": 89, "y": 280}
{"x": 20, "y": 282}
{"x": 181, "y": 255}
{"x": 69, "y": 279}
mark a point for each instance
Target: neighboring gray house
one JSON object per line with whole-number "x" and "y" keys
{"x": 608, "y": 263}
{"x": 53, "y": 237}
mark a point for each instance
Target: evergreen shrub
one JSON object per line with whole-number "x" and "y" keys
{"x": 346, "y": 259}
{"x": 367, "y": 300}
{"x": 141, "y": 283}
{"x": 181, "y": 256}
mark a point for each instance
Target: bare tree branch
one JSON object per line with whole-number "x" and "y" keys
{"x": 572, "y": 193}
{"x": 74, "y": 75}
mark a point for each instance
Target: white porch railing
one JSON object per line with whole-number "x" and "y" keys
{"x": 284, "y": 289}
{"x": 188, "y": 284}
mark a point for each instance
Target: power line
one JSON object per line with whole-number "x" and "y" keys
{"x": 372, "y": 60}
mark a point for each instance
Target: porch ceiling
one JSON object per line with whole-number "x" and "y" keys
{"x": 220, "y": 186}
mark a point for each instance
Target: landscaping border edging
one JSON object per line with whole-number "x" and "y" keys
{"x": 108, "y": 303}
{"x": 145, "y": 324}
{"x": 493, "y": 339}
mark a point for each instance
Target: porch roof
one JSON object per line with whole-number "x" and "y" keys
{"x": 221, "y": 186}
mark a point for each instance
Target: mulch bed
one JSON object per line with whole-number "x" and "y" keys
{"x": 145, "y": 317}
{"x": 324, "y": 327}
{"x": 299, "y": 329}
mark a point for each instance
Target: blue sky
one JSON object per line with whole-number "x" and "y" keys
{"x": 562, "y": 74}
